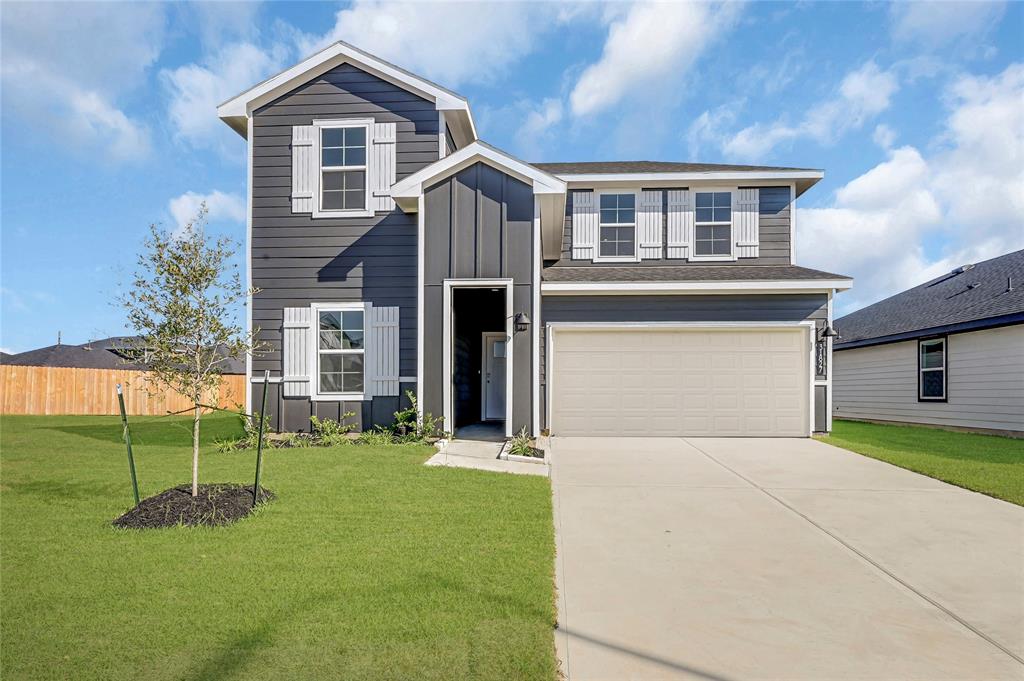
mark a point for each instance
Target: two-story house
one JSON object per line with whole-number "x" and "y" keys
{"x": 394, "y": 251}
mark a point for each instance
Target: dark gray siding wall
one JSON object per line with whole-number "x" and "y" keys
{"x": 297, "y": 260}
{"x": 667, "y": 308}
{"x": 773, "y": 230}
{"x": 479, "y": 225}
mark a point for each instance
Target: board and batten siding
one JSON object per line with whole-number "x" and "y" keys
{"x": 297, "y": 260}
{"x": 683, "y": 308}
{"x": 479, "y": 225}
{"x": 984, "y": 382}
{"x": 773, "y": 231}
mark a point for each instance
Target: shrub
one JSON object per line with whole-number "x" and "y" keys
{"x": 520, "y": 445}
{"x": 408, "y": 429}
{"x": 329, "y": 433}
{"x": 378, "y": 436}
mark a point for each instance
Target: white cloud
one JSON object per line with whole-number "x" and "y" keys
{"x": 884, "y": 136}
{"x": 911, "y": 218}
{"x": 540, "y": 120}
{"x": 195, "y": 90}
{"x": 935, "y": 24}
{"x": 710, "y": 126}
{"x": 65, "y": 65}
{"x": 451, "y": 42}
{"x": 650, "y": 44}
{"x": 863, "y": 94}
{"x": 220, "y": 207}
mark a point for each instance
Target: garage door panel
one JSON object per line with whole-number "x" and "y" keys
{"x": 680, "y": 382}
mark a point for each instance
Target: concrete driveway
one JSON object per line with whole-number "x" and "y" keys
{"x": 721, "y": 559}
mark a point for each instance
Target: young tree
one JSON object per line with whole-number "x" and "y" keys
{"x": 185, "y": 294}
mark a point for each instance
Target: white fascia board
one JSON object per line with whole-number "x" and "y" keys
{"x": 716, "y": 176}
{"x": 670, "y": 287}
{"x": 240, "y": 107}
{"x": 409, "y": 189}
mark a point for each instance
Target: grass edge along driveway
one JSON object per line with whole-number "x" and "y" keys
{"x": 988, "y": 464}
{"x": 368, "y": 565}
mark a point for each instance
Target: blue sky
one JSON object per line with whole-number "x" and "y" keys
{"x": 915, "y": 111}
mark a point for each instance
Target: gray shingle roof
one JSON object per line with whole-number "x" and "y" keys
{"x": 565, "y": 271}
{"x": 653, "y": 167}
{"x": 69, "y": 356}
{"x": 970, "y": 297}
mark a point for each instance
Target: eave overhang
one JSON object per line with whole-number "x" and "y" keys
{"x": 802, "y": 179}
{"x": 693, "y": 287}
{"x": 236, "y": 111}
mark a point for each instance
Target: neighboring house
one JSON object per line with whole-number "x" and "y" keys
{"x": 396, "y": 251}
{"x": 949, "y": 352}
{"x": 107, "y": 353}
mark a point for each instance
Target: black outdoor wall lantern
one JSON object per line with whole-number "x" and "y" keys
{"x": 522, "y": 321}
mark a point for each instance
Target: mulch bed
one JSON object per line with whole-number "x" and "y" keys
{"x": 217, "y": 504}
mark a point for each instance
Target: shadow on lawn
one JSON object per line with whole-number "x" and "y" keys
{"x": 147, "y": 430}
{"x": 50, "y": 490}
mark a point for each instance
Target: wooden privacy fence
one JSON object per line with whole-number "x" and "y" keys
{"x": 63, "y": 390}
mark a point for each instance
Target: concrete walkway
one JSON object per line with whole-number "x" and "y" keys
{"x": 724, "y": 559}
{"x": 482, "y": 455}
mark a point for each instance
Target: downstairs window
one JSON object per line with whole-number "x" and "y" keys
{"x": 931, "y": 370}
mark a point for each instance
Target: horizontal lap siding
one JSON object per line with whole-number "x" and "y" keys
{"x": 296, "y": 260}
{"x": 985, "y": 382}
{"x": 696, "y": 308}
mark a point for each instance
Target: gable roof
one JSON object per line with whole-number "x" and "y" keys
{"x": 987, "y": 294}
{"x": 235, "y": 111}
{"x": 407, "y": 191}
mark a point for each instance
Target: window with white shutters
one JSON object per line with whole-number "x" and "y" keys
{"x": 343, "y": 168}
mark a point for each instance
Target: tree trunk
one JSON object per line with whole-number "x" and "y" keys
{"x": 195, "y": 451}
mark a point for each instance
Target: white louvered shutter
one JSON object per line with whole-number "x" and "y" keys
{"x": 382, "y": 365}
{"x": 745, "y": 215}
{"x": 297, "y": 351}
{"x": 304, "y": 168}
{"x": 649, "y": 225}
{"x": 382, "y": 166}
{"x": 584, "y": 225}
{"x": 680, "y": 223}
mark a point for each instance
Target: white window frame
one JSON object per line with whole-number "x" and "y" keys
{"x": 367, "y": 125}
{"x": 636, "y": 240}
{"x": 732, "y": 223}
{"x": 921, "y": 369}
{"x": 317, "y": 308}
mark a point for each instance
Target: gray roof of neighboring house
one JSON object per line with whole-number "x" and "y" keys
{"x": 602, "y": 167}
{"x": 968, "y": 298}
{"x": 70, "y": 356}
{"x": 564, "y": 271}
{"x": 97, "y": 354}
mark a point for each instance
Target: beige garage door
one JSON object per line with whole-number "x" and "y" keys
{"x": 672, "y": 382}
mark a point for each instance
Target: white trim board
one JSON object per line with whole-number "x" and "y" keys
{"x": 235, "y": 110}
{"x": 674, "y": 287}
{"x": 447, "y": 347}
{"x": 406, "y": 192}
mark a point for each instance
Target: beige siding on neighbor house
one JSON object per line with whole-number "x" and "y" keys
{"x": 985, "y": 382}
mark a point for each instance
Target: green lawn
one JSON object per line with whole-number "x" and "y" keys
{"x": 984, "y": 463}
{"x": 368, "y": 565}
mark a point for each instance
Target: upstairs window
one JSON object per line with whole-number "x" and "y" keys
{"x": 713, "y": 224}
{"x": 618, "y": 227}
{"x": 343, "y": 168}
{"x": 340, "y": 351}
{"x": 931, "y": 370}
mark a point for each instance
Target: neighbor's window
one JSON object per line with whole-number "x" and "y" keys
{"x": 340, "y": 350}
{"x": 618, "y": 226}
{"x": 343, "y": 168}
{"x": 713, "y": 224}
{"x": 931, "y": 377}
